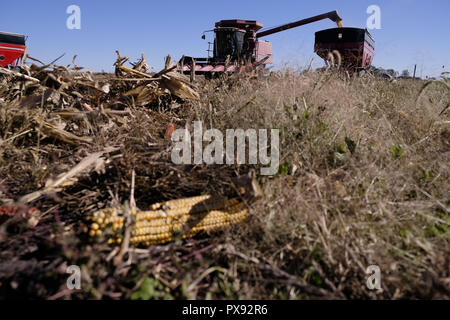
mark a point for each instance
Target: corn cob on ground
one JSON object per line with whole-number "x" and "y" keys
{"x": 166, "y": 221}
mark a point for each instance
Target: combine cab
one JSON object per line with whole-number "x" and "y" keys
{"x": 12, "y": 49}
{"x": 356, "y": 47}
{"x": 235, "y": 45}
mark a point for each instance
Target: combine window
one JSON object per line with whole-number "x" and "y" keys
{"x": 229, "y": 43}
{"x": 2, "y": 58}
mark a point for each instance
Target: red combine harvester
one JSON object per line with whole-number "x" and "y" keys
{"x": 356, "y": 47}
{"x": 12, "y": 49}
{"x": 237, "y": 46}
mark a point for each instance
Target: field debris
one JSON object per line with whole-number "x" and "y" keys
{"x": 66, "y": 87}
{"x": 61, "y": 109}
{"x": 87, "y": 179}
{"x": 59, "y": 134}
{"x": 177, "y": 84}
{"x": 93, "y": 162}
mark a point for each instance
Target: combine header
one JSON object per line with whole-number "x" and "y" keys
{"x": 237, "y": 46}
{"x": 12, "y": 49}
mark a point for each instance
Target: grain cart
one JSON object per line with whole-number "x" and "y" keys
{"x": 12, "y": 49}
{"x": 354, "y": 48}
{"x": 238, "y": 45}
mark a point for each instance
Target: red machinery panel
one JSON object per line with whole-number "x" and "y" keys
{"x": 264, "y": 49}
{"x": 12, "y": 48}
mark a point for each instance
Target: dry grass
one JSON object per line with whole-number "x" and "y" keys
{"x": 371, "y": 184}
{"x": 364, "y": 180}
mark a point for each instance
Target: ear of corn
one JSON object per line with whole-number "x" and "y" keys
{"x": 166, "y": 221}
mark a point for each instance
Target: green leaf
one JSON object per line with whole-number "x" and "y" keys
{"x": 149, "y": 289}
{"x": 341, "y": 149}
{"x": 284, "y": 169}
{"x": 397, "y": 151}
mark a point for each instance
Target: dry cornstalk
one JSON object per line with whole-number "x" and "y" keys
{"x": 18, "y": 75}
{"x": 93, "y": 162}
{"x": 59, "y": 134}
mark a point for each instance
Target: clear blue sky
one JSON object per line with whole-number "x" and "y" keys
{"x": 413, "y": 31}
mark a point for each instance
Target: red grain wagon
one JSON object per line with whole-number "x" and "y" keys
{"x": 356, "y": 47}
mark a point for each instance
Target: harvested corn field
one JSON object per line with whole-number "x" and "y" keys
{"x": 86, "y": 179}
